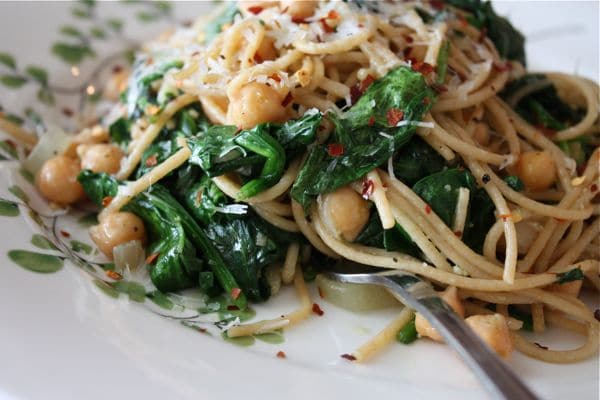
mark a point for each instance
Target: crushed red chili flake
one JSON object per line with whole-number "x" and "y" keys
{"x": 288, "y": 99}
{"x": 365, "y": 83}
{"x": 257, "y": 58}
{"x": 597, "y": 314}
{"x": 275, "y": 77}
{"x": 426, "y": 101}
{"x": 106, "y": 201}
{"x": 407, "y": 52}
{"x": 408, "y": 38}
{"x": 281, "y": 354}
{"x": 505, "y": 216}
{"x": 540, "y": 346}
{"x": 232, "y": 307}
{"x": 458, "y": 233}
{"x": 394, "y": 116}
{"x": 335, "y": 149}
{"x": 463, "y": 20}
{"x": 317, "y": 310}
{"x": 354, "y": 94}
{"x": 114, "y": 275}
{"x": 65, "y": 234}
{"x": 67, "y": 112}
{"x": 358, "y": 90}
{"x": 348, "y": 357}
{"x": 11, "y": 143}
{"x": 235, "y": 293}
{"x": 325, "y": 26}
{"x": 201, "y": 329}
{"x": 298, "y": 20}
{"x": 506, "y": 66}
{"x": 482, "y": 34}
{"x": 320, "y": 293}
{"x": 437, "y": 4}
{"x": 152, "y": 258}
{"x": 439, "y": 88}
{"x": 422, "y": 67}
{"x": 593, "y": 188}
{"x": 546, "y": 131}
{"x": 371, "y": 121}
{"x": 255, "y": 9}
{"x": 332, "y": 14}
{"x": 368, "y": 187}
{"x": 151, "y": 161}
{"x": 117, "y": 68}
{"x": 427, "y": 209}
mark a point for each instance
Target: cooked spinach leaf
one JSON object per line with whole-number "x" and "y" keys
{"x": 98, "y": 186}
{"x": 119, "y": 132}
{"x": 515, "y": 183}
{"x": 408, "y": 333}
{"x": 364, "y": 135}
{"x": 416, "y": 160}
{"x": 573, "y": 275}
{"x": 507, "y": 39}
{"x": 213, "y": 28}
{"x": 394, "y": 239}
{"x": 442, "y": 62}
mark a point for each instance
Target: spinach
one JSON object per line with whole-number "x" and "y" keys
{"x": 364, "y": 134}
{"x": 139, "y": 91}
{"x": 222, "y": 149}
{"x": 507, "y": 39}
{"x": 203, "y": 199}
{"x": 515, "y": 183}
{"x": 394, "y": 239}
{"x": 440, "y": 192}
{"x": 442, "y": 62}
{"x": 155, "y": 154}
{"x": 172, "y": 226}
{"x": 580, "y": 149}
{"x": 416, "y": 160}
{"x": 212, "y": 29}
{"x": 573, "y": 275}
{"x": 119, "y": 132}
{"x": 98, "y": 186}
{"x": 408, "y": 333}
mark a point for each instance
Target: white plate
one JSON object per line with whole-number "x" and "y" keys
{"x": 62, "y": 337}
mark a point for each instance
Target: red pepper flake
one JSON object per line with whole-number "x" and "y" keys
{"x": 65, "y": 234}
{"x": 458, "y": 233}
{"x": 152, "y": 258}
{"x": 106, "y": 201}
{"x": 426, "y": 101}
{"x": 257, "y": 58}
{"x": 506, "y": 66}
{"x": 437, "y": 4}
{"x": 335, "y": 149}
{"x": 11, "y": 143}
{"x": 427, "y": 209}
{"x": 255, "y": 9}
{"x": 560, "y": 220}
{"x": 482, "y": 34}
{"x": 422, "y": 67}
{"x": 151, "y": 161}
{"x": 117, "y": 68}
{"x": 365, "y": 83}
{"x": 593, "y": 188}
{"x": 371, "y": 121}
{"x": 325, "y": 26}
{"x": 332, "y": 14}
{"x": 358, "y": 90}
{"x": 407, "y": 52}
{"x": 348, "y": 357}
{"x": 114, "y": 275}
{"x": 67, "y": 112}
{"x": 275, "y": 77}
{"x": 281, "y": 354}
{"x": 354, "y": 94}
{"x": 439, "y": 88}
{"x": 463, "y": 20}
{"x": 235, "y": 292}
{"x": 394, "y": 116}
{"x": 201, "y": 329}
{"x": 320, "y": 293}
{"x": 550, "y": 133}
{"x": 505, "y": 216}
{"x": 317, "y": 310}
{"x": 288, "y": 99}
{"x": 368, "y": 187}
{"x": 298, "y": 20}
{"x": 361, "y": 25}
{"x": 408, "y": 38}
{"x": 232, "y": 307}
{"x": 597, "y": 314}
{"x": 540, "y": 346}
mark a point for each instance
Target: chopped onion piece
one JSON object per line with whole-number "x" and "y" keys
{"x": 128, "y": 256}
{"x": 51, "y": 144}
{"x": 355, "y": 297}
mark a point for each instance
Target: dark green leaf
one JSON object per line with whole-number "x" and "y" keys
{"x": 144, "y": 16}
{"x": 8, "y": 60}
{"x": 119, "y": 132}
{"x": 359, "y": 132}
{"x": 573, "y": 275}
{"x": 9, "y": 148}
{"x": 514, "y": 182}
{"x": 442, "y": 62}
{"x": 98, "y": 186}
{"x": 12, "y": 81}
{"x": 416, "y": 160}
{"x": 19, "y": 193}
{"x": 81, "y": 247}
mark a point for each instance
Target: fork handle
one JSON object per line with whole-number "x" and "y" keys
{"x": 492, "y": 372}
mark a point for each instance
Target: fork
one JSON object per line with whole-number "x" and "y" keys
{"x": 497, "y": 378}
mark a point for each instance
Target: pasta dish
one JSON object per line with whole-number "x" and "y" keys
{"x": 272, "y": 140}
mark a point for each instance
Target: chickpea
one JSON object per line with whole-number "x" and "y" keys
{"x": 299, "y": 9}
{"x": 450, "y": 297}
{"x": 536, "y": 169}
{"x": 57, "y": 180}
{"x": 100, "y": 157}
{"x": 346, "y": 212}
{"x": 266, "y": 51}
{"x": 493, "y": 330}
{"x": 115, "y": 229}
{"x": 255, "y": 103}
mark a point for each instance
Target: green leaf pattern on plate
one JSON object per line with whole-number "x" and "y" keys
{"x": 41, "y": 242}
{"x": 8, "y": 208}
{"x": 19, "y": 193}
{"x": 36, "y": 262}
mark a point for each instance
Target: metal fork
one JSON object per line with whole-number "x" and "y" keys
{"x": 500, "y": 381}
